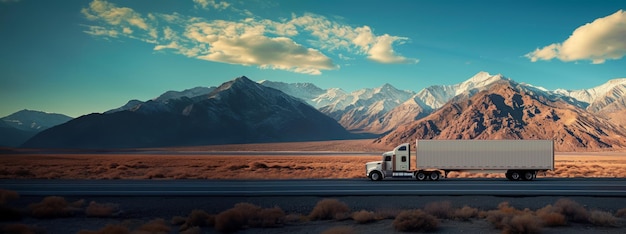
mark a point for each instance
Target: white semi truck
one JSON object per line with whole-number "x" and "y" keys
{"x": 517, "y": 159}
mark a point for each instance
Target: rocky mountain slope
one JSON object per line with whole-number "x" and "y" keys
{"x": 508, "y": 110}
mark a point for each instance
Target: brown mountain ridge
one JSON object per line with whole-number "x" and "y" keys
{"x": 508, "y": 110}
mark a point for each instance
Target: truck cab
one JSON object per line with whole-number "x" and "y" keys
{"x": 395, "y": 163}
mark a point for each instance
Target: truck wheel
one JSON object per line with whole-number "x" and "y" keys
{"x": 515, "y": 175}
{"x": 528, "y": 175}
{"x": 434, "y": 176}
{"x": 420, "y": 176}
{"x": 376, "y": 176}
{"x": 508, "y": 175}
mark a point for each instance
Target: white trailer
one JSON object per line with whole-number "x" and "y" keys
{"x": 517, "y": 159}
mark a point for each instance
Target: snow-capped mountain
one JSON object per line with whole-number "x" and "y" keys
{"x": 305, "y": 91}
{"x": 30, "y": 120}
{"x": 238, "y": 111}
{"x": 18, "y": 127}
{"x": 438, "y": 95}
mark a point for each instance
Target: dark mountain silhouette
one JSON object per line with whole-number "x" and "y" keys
{"x": 238, "y": 111}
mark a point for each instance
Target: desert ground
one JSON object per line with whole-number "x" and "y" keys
{"x": 447, "y": 214}
{"x": 254, "y": 161}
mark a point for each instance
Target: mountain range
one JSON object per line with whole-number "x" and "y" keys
{"x": 484, "y": 106}
{"x": 18, "y": 127}
{"x": 238, "y": 111}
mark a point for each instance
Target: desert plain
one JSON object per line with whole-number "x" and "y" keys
{"x": 299, "y": 160}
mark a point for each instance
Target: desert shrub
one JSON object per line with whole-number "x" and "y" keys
{"x": 108, "y": 229}
{"x": 602, "y": 218}
{"x": 6, "y": 195}
{"x": 197, "y": 218}
{"x": 178, "y": 220}
{"x": 248, "y": 215}
{"x": 621, "y": 213}
{"x": 258, "y": 165}
{"x": 54, "y": 207}
{"x": 572, "y": 210}
{"x": 551, "y": 216}
{"x": 465, "y": 213}
{"x": 157, "y": 226}
{"x": 19, "y": 228}
{"x": 364, "y": 216}
{"x": 339, "y": 230}
{"x": 440, "y": 209}
{"x": 522, "y": 223}
{"x": 415, "y": 221}
{"x": 95, "y": 209}
{"x": 329, "y": 209}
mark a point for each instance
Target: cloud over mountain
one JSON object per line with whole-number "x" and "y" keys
{"x": 301, "y": 44}
{"x": 597, "y": 41}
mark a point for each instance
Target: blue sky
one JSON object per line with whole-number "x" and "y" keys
{"x": 78, "y": 57}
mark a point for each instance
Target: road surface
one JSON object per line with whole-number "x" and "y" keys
{"x": 338, "y": 187}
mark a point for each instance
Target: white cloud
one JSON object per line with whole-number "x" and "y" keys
{"x": 298, "y": 44}
{"x": 206, "y": 4}
{"x": 602, "y": 39}
{"x": 382, "y": 51}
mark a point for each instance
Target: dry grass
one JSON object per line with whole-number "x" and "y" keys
{"x": 329, "y": 209}
{"x": 415, "y": 221}
{"x": 465, "y": 213}
{"x": 95, "y": 209}
{"x": 511, "y": 220}
{"x": 621, "y": 213}
{"x": 551, "y": 216}
{"x": 572, "y": 210}
{"x": 55, "y": 207}
{"x": 602, "y": 218}
{"x": 262, "y": 166}
{"x": 364, "y": 216}
{"x": 245, "y": 215}
{"x": 197, "y": 218}
{"x": 439, "y": 209}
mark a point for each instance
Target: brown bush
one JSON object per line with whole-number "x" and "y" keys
{"x": 551, "y": 216}
{"x": 364, "y": 216}
{"x": 19, "y": 228}
{"x": 621, "y": 213}
{"x": 248, "y": 215}
{"x": 522, "y": 223}
{"x": 54, "y": 207}
{"x": 440, "y": 209}
{"x": 339, "y": 230}
{"x": 602, "y": 218}
{"x": 108, "y": 229}
{"x": 258, "y": 165}
{"x": 572, "y": 210}
{"x": 329, "y": 209}
{"x": 415, "y": 221}
{"x": 465, "y": 213}
{"x": 6, "y": 195}
{"x": 197, "y": 218}
{"x": 157, "y": 226}
{"x": 95, "y": 209}
{"x": 178, "y": 220}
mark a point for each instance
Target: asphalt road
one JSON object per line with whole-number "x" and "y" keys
{"x": 351, "y": 187}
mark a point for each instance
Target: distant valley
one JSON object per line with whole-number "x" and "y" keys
{"x": 484, "y": 106}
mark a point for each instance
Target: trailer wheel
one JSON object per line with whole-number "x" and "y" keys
{"x": 528, "y": 175}
{"x": 515, "y": 175}
{"x": 376, "y": 176}
{"x": 434, "y": 176}
{"x": 420, "y": 175}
